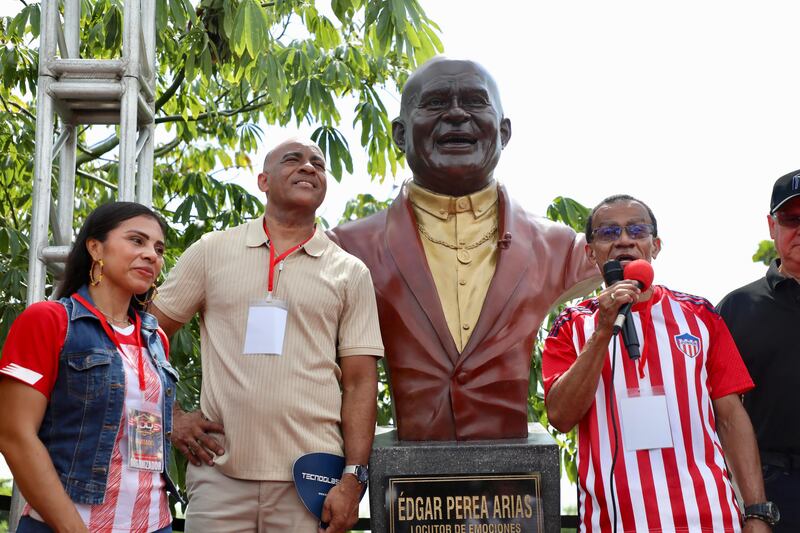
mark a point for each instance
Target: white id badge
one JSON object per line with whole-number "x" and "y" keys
{"x": 266, "y": 325}
{"x": 645, "y": 420}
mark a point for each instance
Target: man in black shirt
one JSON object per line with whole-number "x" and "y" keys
{"x": 764, "y": 318}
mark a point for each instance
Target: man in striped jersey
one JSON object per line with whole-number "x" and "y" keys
{"x": 656, "y": 436}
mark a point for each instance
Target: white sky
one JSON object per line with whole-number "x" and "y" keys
{"x": 691, "y": 106}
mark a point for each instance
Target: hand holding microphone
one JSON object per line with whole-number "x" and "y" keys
{"x": 641, "y": 272}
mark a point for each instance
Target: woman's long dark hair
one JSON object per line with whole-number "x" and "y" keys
{"x": 97, "y": 225}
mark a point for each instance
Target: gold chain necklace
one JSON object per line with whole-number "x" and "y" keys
{"x": 453, "y": 246}
{"x": 121, "y": 323}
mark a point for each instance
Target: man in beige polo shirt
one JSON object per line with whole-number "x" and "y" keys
{"x": 260, "y": 411}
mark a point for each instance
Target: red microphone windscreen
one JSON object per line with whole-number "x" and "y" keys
{"x": 641, "y": 271}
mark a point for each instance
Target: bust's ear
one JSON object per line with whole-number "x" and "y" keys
{"x": 399, "y": 134}
{"x": 505, "y": 131}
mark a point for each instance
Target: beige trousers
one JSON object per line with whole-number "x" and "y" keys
{"x": 222, "y": 504}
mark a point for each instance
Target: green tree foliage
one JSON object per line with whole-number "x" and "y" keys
{"x": 362, "y": 206}
{"x": 765, "y": 253}
{"x": 572, "y": 214}
{"x": 224, "y": 68}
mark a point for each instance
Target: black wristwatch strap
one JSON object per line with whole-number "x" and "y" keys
{"x": 766, "y": 511}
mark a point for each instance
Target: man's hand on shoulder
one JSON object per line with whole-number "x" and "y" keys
{"x": 191, "y": 436}
{"x": 340, "y": 510}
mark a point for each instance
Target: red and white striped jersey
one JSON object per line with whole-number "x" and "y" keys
{"x": 688, "y": 351}
{"x": 135, "y": 500}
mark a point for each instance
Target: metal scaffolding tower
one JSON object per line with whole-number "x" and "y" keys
{"x": 74, "y": 91}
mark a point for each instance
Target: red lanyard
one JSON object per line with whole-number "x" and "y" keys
{"x": 275, "y": 260}
{"x": 137, "y": 333}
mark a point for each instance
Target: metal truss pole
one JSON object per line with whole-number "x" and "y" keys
{"x": 86, "y": 91}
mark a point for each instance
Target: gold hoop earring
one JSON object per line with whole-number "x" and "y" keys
{"x": 151, "y": 295}
{"x": 95, "y": 281}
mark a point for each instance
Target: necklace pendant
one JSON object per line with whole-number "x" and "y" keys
{"x": 464, "y": 257}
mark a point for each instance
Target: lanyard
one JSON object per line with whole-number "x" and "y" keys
{"x": 275, "y": 260}
{"x": 111, "y": 335}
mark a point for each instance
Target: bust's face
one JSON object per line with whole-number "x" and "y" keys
{"x": 451, "y": 127}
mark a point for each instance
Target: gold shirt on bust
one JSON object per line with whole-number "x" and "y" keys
{"x": 459, "y": 236}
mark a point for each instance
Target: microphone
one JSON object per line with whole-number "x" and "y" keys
{"x": 505, "y": 242}
{"x": 642, "y": 272}
{"x": 612, "y": 272}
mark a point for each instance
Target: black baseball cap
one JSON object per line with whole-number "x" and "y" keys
{"x": 786, "y": 188}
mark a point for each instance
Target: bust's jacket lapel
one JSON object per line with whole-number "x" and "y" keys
{"x": 405, "y": 247}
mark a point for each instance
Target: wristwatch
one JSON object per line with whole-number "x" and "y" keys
{"x": 360, "y": 471}
{"x": 767, "y": 511}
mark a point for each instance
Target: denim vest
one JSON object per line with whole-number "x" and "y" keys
{"x": 86, "y": 405}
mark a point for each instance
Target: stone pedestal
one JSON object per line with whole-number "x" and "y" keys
{"x": 498, "y": 486}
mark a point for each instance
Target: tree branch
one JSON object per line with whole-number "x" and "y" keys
{"x": 250, "y": 106}
{"x": 219, "y": 170}
{"x": 96, "y": 151}
{"x": 97, "y": 179}
{"x": 172, "y": 89}
{"x": 285, "y": 27}
{"x": 166, "y": 148}
{"x": 169, "y": 201}
{"x": 12, "y": 210}
{"x": 19, "y": 107}
{"x": 5, "y": 105}
{"x": 221, "y": 96}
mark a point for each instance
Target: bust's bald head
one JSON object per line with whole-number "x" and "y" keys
{"x": 451, "y": 126}
{"x": 442, "y": 64}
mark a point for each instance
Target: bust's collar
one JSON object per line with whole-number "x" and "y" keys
{"x": 442, "y": 206}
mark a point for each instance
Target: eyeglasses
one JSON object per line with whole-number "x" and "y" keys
{"x": 786, "y": 220}
{"x": 612, "y": 233}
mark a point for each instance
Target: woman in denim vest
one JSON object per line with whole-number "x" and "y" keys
{"x": 86, "y": 389}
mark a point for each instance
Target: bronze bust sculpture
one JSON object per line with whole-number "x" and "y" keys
{"x": 463, "y": 275}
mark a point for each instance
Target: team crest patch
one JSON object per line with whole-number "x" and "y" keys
{"x": 688, "y": 344}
